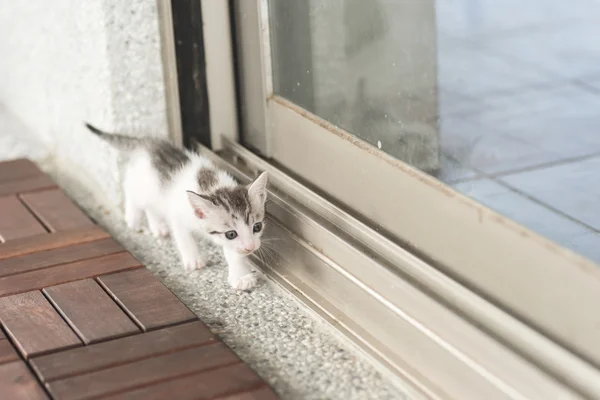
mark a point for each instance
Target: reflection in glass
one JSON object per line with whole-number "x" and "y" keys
{"x": 366, "y": 66}
{"x": 499, "y": 99}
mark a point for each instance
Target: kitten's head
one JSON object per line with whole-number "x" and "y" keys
{"x": 233, "y": 216}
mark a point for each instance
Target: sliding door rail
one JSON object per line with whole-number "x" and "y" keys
{"x": 413, "y": 320}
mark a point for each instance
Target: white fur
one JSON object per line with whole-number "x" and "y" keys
{"x": 170, "y": 209}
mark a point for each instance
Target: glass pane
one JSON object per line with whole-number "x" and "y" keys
{"x": 498, "y": 98}
{"x": 366, "y": 66}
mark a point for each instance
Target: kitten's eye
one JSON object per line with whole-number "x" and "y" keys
{"x": 231, "y": 235}
{"x": 257, "y": 227}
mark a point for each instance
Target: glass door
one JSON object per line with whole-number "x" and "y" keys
{"x": 465, "y": 130}
{"x": 368, "y": 67}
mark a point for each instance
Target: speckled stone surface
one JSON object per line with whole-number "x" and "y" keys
{"x": 292, "y": 349}
{"x": 66, "y": 61}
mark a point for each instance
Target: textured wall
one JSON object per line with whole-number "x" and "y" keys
{"x": 65, "y": 61}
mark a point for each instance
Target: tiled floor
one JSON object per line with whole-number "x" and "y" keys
{"x": 519, "y": 102}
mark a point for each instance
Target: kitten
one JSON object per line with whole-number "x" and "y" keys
{"x": 183, "y": 193}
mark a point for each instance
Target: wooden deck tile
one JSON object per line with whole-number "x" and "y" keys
{"x": 260, "y": 393}
{"x": 7, "y": 351}
{"x": 88, "y": 318}
{"x": 92, "y": 314}
{"x": 18, "y": 169}
{"x": 143, "y": 372}
{"x": 121, "y": 351}
{"x": 146, "y": 299}
{"x": 19, "y": 247}
{"x": 20, "y": 176}
{"x": 17, "y": 383}
{"x": 62, "y": 255}
{"x": 56, "y": 210}
{"x": 34, "y": 325}
{"x": 16, "y": 221}
{"x": 26, "y": 185}
{"x": 237, "y": 378}
{"x": 64, "y": 273}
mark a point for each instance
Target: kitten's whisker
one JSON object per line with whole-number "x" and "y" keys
{"x": 270, "y": 240}
{"x": 263, "y": 254}
{"x": 274, "y": 253}
{"x": 259, "y": 253}
{"x": 267, "y": 256}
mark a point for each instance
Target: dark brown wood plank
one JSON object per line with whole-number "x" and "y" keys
{"x": 7, "y": 351}
{"x": 260, "y": 393}
{"x": 121, "y": 351}
{"x": 228, "y": 380}
{"x": 92, "y": 314}
{"x": 16, "y": 221}
{"x": 146, "y": 299}
{"x": 33, "y": 244}
{"x": 18, "y": 169}
{"x": 34, "y": 326}
{"x": 17, "y": 383}
{"x": 56, "y": 210}
{"x": 62, "y": 255}
{"x": 39, "y": 279}
{"x": 26, "y": 185}
{"x": 143, "y": 372}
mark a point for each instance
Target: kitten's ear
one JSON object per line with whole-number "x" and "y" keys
{"x": 257, "y": 190}
{"x": 201, "y": 204}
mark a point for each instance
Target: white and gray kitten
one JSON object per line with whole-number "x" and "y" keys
{"x": 183, "y": 193}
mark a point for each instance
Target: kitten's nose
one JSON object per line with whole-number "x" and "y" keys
{"x": 249, "y": 248}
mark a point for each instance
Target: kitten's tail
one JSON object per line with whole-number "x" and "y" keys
{"x": 120, "y": 142}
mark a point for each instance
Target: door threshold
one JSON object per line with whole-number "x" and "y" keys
{"x": 414, "y": 323}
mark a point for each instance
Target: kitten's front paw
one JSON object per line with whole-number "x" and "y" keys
{"x": 133, "y": 223}
{"x": 246, "y": 282}
{"x": 192, "y": 264}
{"x": 160, "y": 231}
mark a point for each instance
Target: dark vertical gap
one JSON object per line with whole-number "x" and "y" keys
{"x": 37, "y": 218}
{"x": 292, "y": 54}
{"x": 191, "y": 71}
{"x": 36, "y": 377}
{"x": 236, "y": 66}
{"x": 63, "y": 316}
{"x": 122, "y": 306}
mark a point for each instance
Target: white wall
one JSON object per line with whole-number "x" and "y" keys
{"x": 66, "y": 61}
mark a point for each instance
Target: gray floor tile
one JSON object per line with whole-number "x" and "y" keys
{"x": 592, "y": 81}
{"x": 587, "y": 245}
{"x": 481, "y": 147}
{"x": 459, "y": 136}
{"x": 500, "y": 153}
{"x": 539, "y": 126}
{"x": 481, "y": 189}
{"x": 567, "y": 136}
{"x": 509, "y": 100}
{"x": 453, "y": 171}
{"x": 571, "y": 188}
{"x": 568, "y": 50}
{"x": 468, "y": 18}
{"x": 452, "y": 103}
{"x": 524, "y": 211}
{"x": 554, "y": 98}
{"x": 472, "y": 73}
{"x": 563, "y": 120}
